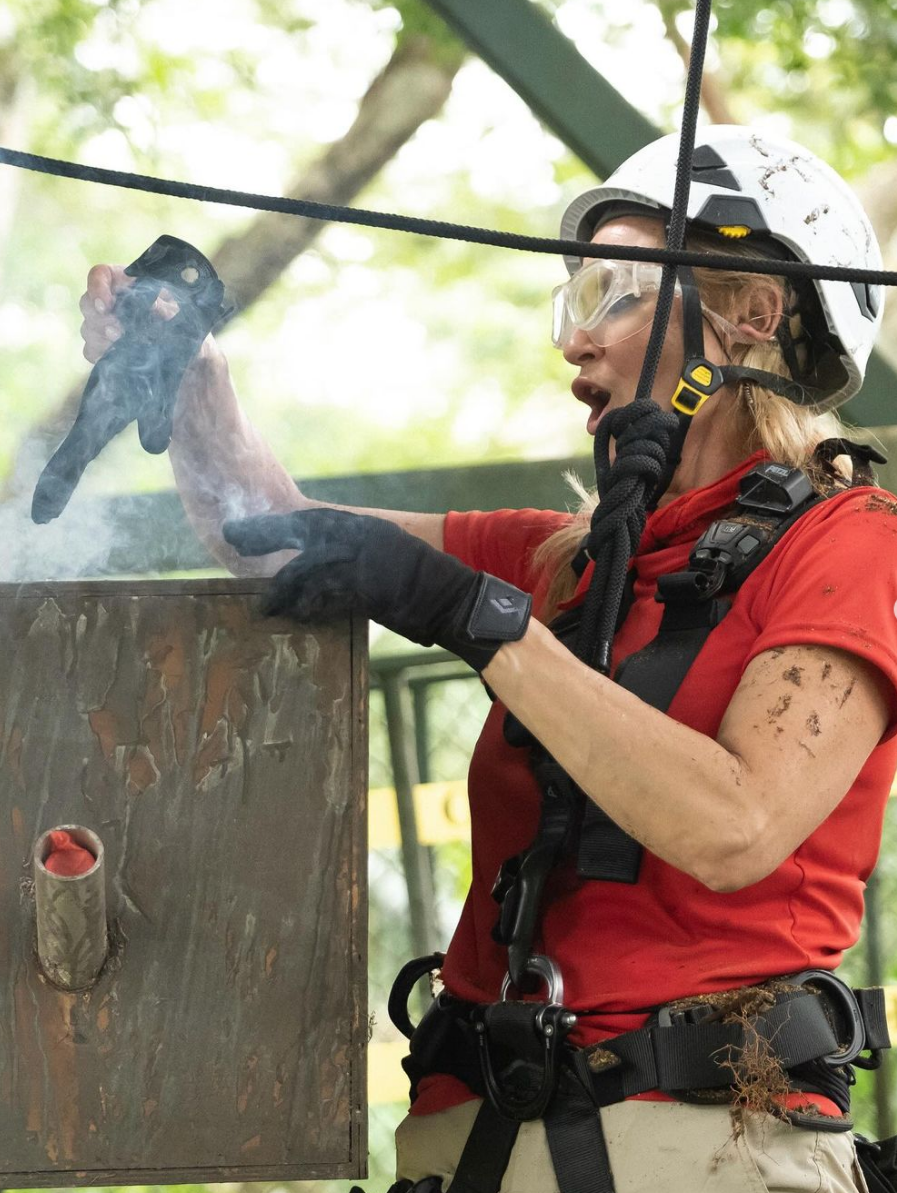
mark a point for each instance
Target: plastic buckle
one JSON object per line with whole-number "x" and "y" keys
{"x": 710, "y": 575}
{"x": 844, "y": 1000}
{"x": 684, "y": 1016}
{"x": 774, "y": 488}
{"x": 699, "y": 381}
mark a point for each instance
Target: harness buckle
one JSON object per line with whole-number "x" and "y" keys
{"x": 843, "y": 1000}
{"x": 774, "y": 488}
{"x": 670, "y": 1016}
{"x": 518, "y": 1046}
{"x": 699, "y": 381}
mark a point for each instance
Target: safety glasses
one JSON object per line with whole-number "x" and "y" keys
{"x": 609, "y": 300}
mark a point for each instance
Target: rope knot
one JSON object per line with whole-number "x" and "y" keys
{"x": 644, "y": 437}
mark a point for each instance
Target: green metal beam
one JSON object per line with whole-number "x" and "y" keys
{"x": 544, "y": 67}
{"x": 151, "y": 533}
{"x": 517, "y": 39}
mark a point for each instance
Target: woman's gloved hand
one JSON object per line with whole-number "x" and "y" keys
{"x": 352, "y": 563}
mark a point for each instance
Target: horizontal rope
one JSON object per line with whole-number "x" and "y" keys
{"x": 333, "y": 213}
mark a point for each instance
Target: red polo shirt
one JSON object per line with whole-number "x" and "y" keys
{"x": 831, "y": 581}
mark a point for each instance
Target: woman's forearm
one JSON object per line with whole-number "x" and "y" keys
{"x": 727, "y": 810}
{"x": 224, "y": 468}
{"x": 662, "y": 782}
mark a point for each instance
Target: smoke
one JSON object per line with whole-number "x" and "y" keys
{"x": 96, "y": 535}
{"x": 78, "y": 543}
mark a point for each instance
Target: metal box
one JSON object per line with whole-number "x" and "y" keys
{"x": 221, "y": 758}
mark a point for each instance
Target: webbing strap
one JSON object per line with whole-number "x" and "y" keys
{"x": 657, "y": 671}
{"x": 486, "y": 1153}
{"x": 872, "y": 1007}
{"x": 606, "y": 851}
{"x": 654, "y": 674}
{"x": 703, "y": 1055}
{"x": 578, "y": 1147}
{"x": 879, "y": 1163}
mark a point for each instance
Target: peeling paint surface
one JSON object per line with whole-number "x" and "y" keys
{"x": 222, "y": 759}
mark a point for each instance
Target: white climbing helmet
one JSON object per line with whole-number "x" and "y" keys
{"x": 744, "y": 185}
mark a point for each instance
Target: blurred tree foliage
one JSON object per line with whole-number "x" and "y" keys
{"x": 826, "y": 65}
{"x": 371, "y": 350}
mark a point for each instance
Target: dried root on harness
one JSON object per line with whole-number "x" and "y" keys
{"x": 759, "y": 1083}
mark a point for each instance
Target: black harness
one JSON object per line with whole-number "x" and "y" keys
{"x": 515, "y": 1054}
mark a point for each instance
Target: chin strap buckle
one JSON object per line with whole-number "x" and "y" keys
{"x": 699, "y": 381}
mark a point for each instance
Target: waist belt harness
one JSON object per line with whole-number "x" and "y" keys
{"x": 516, "y": 1054}
{"x": 517, "y": 1057}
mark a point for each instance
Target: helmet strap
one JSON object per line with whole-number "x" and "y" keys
{"x": 699, "y": 379}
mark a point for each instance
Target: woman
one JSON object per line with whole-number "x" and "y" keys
{"x": 758, "y": 797}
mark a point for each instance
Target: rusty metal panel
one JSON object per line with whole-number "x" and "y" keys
{"x": 221, "y": 758}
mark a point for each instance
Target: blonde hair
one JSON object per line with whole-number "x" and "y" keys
{"x": 789, "y": 433}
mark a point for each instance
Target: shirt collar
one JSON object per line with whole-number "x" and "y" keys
{"x": 688, "y": 516}
{"x": 671, "y": 531}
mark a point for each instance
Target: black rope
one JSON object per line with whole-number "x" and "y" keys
{"x": 646, "y": 436}
{"x": 391, "y": 221}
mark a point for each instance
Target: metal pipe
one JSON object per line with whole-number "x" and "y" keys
{"x": 881, "y": 1083}
{"x": 415, "y": 860}
{"x": 71, "y": 913}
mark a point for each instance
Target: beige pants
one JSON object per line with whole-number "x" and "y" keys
{"x": 654, "y": 1147}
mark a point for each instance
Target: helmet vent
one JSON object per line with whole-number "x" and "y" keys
{"x": 708, "y": 167}
{"x": 868, "y": 297}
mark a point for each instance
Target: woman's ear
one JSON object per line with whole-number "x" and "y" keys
{"x": 761, "y": 318}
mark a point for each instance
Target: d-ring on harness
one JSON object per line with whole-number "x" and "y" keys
{"x": 540, "y": 1027}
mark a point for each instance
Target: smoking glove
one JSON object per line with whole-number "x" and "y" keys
{"x": 354, "y": 563}
{"x": 140, "y": 375}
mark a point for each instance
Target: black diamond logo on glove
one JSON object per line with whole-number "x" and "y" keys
{"x": 503, "y": 604}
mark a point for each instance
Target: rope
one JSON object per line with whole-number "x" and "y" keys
{"x": 647, "y": 437}
{"x": 391, "y": 221}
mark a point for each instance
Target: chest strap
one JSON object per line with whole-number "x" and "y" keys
{"x": 772, "y": 498}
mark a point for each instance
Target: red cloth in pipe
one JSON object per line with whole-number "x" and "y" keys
{"x": 67, "y": 857}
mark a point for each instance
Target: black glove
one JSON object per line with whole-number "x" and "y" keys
{"x": 140, "y": 375}
{"x": 351, "y": 563}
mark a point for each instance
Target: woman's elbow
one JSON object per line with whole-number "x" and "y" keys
{"x": 738, "y": 862}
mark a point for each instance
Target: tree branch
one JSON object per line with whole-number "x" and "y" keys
{"x": 411, "y": 89}
{"x": 713, "y": 96}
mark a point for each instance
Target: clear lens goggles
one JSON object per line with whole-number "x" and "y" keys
{"x": 610, "y": 301}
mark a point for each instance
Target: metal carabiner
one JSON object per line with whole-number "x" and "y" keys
{"x": 541, "y": 967}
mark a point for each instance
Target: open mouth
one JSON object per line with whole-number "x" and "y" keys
{"x": 594, "y": 397}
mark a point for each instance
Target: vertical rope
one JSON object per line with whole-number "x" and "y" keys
{"x": 644, "y": 434}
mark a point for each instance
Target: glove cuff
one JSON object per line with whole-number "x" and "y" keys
{"x": 496, "y": 613}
